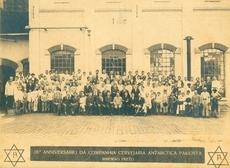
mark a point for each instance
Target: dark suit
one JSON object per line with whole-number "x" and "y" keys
{"x": 108, "y": 104}
{"x": 90, "y": 104}
{"x": 126, "y": 104}
{"x": 87, "y": 89}
{"x": 100, "y": 104}
{"x": 136, "y": 92}
{"x": 30, "y": 87}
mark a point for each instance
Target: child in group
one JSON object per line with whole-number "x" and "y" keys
{"x": 49, "y": 100}
{"x": 165, "y": 102}
{"x": 44, "y": 100}
{"x": 181, "y": 104}
{"x": 158, "y": 103}
{"x": 196, "y": 104}
{"x": 172, "y": 101}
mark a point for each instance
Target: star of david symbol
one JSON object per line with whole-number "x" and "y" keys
{"x": 14, "y": 155}
{"x": 218, "y": 158}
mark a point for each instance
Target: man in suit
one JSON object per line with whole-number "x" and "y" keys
{"x": 108, "y": 102}
{"x": 90, "y": 104}
{"x": 136, "y": 91}
{"x": 139, "y": 104}
{"x": 99, "y": 102}
{"x": 87, "y": 89}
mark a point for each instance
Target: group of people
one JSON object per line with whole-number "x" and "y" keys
{"x": 137, "y": 93}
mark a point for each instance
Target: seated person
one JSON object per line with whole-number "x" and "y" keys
{"x": 57, "y": 100}
{"x": 117, "y": 101}
{"x": 90, "y": 103}
{"x": 100, "y": 103}
{"x": 139, "y": 104}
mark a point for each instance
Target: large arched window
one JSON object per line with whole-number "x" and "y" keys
{"x": 114, "y": 60}
{"x": 62, "y": 60}
{"x": 213, "y": 64}
{"x": 162, "y": 60}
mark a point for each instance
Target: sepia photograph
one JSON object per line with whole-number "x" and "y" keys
{"x": 114, "y": 83}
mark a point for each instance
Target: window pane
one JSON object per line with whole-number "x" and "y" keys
{"x": 162, "y": 61}
{"x": 62, "y": 61}
{"x": 212, "y": 64}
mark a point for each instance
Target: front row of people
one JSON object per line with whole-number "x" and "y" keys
{"x": 183, "y": 104}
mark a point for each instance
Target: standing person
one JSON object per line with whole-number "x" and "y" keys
{"x": 205, "y": 101}
{"x": 44, "y": 100}
{"x": 18, "y": 98}
{"x": 57, "y": 100}
{"x": 135, "y": 90}
{"x": 24, "y": 101}
{"x": 196, "y": 104}
{"x": 172, "y": 100}
{"x": 181, "y": 104}
{"x": 9, "y": 93}
{"x": 188, "y": 103}
{"x": 87, "y": 88}
{"x": 215, "y": 97}
{"x": 216, "y": 84}
{"x": 153, "y": 102}
{"x": 50, "y": 100}
{"x": 117, "y": 101}
{"x": 208, "y": 85}
{"x": 30, "y": 86}
{"x": 130, "y": 77}
{"x": 158, "y": 101}
{"x": 165, "y": 102}
{"x": 114, "y": 89}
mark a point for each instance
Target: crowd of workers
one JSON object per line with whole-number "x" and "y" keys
{"x": 138, "y": 93}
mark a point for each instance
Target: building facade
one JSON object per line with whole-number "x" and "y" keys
{"x": 126, "y": 35}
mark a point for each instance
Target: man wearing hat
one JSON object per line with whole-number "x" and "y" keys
{"x": 205, "y": 102}
{"x": 215, "y": 97}
{"x": 9, "y": 93}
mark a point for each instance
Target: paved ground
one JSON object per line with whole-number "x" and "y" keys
{"x": 46, "y": 123}
{"x": 48, "y": 129}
